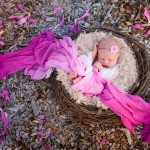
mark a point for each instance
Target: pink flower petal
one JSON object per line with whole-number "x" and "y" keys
{"x": 1, "y": 140}
{"x": 2, "y": 43}
{"x": 44, "y": 133}
{"x": 57, "y": 25}
{"x": 1, "y": 23}
{"x": 32, "y": 20}
{"x": 22, "y": 21}
{"x": 75, "y": 28}
{"x": 5, "y": 95}
{"x": 40, "y": 133}
{"x": 1, "y": 104}
{"x": 41, "y": 121}
{"x": 147, "y": 33}
{"x": 20, "y": 6}
{"x": 147, "y": 14}
{"x": 13, "y": 17}
{"x": 104, "y": 141}
{"x": 5, "y": 119}
{"x": 56, "y": 10}
{"x": 61, "y": 22}
{"x": 85, "y": 16}
{"x": 138, "y": 26}
{"x": 46, "y": 146}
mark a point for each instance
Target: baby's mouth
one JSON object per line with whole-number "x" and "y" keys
{"x": 105, "y": 66}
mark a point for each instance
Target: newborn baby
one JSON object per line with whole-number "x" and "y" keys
{"x": 105, "y": 58}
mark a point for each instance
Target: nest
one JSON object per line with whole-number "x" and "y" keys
{"x": 91, "y": 114}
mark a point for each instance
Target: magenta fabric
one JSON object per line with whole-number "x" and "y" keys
{"x": 31, "y": 55}
{"x": 45, "y": 52}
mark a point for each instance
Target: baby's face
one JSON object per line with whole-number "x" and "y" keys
{"x": 107, "y": 58}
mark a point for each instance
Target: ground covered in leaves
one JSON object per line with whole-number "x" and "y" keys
{"x": 31, "y": 101}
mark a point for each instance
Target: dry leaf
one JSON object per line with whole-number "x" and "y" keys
{"x": 54, "y": 129}
{"x": 139, "y": 12}
{"x": 129, "y": 23}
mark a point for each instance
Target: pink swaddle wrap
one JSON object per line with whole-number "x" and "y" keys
{"x": 45, "y": 52}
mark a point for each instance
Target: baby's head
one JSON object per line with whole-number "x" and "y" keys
{"x": 108, "y": 52}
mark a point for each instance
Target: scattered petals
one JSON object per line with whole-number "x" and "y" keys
{"x": 13, "y": 17}
{"x": 142, "y": 26}
{"x": 1, "y": 24}
{"x": 85, "y": 16}
{"x": 75, "y": 28}
{"x": 22, "y": 21}
{"x": 104, "y": 141}
{"x": 32, "y": 20}
{"x": 46, "y": 146}
{"x": 41, "y": 121}
{"x": 61, "y": 22}
{"x": 24, "y": 17}
{"x": 43, "y": 133}
{"x": 1, "y": 140}
{"x": 5, "y": 119}
{"x": 2, "y": 43}
{"x": 20, "y": 6}
{"x": 5, "y": 94}
{"x": 147, "y": 33}
{"x": 138, "y": 26}
{"x": 56, "y": 10}
{"x": 40, "y": 133}
{"x": 147, "y": 14}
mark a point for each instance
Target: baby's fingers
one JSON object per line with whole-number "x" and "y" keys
{"x": 72, "y": 75}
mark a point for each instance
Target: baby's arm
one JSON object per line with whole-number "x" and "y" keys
{"x": 94, "y": 52}
{"x": 98, "y": 65}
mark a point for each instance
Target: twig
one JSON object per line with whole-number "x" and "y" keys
{"x": 108, "y": 13}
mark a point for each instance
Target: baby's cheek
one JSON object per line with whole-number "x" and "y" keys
{"x": 114, "y": 63}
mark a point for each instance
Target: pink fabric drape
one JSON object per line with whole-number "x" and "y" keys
{"x": 46, "y": 52}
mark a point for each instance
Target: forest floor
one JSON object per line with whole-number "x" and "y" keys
{"x": 32, "y": 100}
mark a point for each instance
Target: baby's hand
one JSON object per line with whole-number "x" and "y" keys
{"x": 76, "y": 80}
{"x": 98, "y": 65}
{"x": 74, "y": 77}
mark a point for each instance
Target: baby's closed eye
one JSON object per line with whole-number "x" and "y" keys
{"x": 103, "y": 59}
